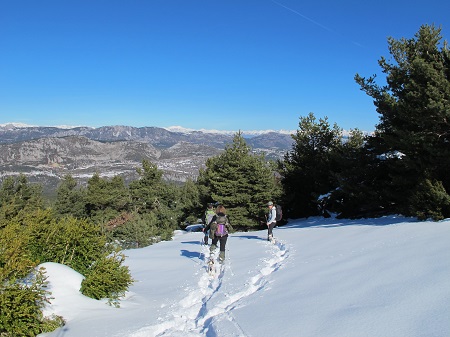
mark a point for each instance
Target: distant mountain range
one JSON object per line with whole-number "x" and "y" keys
{"x": 46, "y": 154}
{"x": 178, "y": 129}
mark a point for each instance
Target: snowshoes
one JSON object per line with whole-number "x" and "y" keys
{"x": 211, "y": 266}
{"x": 221, "y": 257}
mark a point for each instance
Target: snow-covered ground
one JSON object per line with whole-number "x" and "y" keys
{"x": 387, "y": 277}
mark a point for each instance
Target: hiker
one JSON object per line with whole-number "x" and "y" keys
{"x": 206, "y": 219}
{"x": 219, "y": 227}
{"x": 271, "y": 220}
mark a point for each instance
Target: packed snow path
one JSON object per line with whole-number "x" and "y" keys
{"x": 204, "y": 309}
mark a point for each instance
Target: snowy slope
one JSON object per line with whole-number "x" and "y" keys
{"x": 324, "y": 277}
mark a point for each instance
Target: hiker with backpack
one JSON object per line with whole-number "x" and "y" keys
{"x": 206, "y": 219}
{"x": 219, "y": 227}
{"x": 271, "y": 220}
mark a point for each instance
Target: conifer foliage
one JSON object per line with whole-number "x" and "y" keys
{"x": 18, "y": 196}
{"x": 30, "y": 235}
{"x": 70, "y": 198}
{"x": 242, "y": 181}
{"x": 413, "y": 135}
{"x": 309, "y": 169}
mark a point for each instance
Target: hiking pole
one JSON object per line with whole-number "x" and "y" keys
{"x": 230, "y": 264}
{"x": 202, "y": 242}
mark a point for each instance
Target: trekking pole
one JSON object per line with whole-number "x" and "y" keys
{"x": 267, "y": 226}
{"x": 201, "y": 248}
{"x": 230, "y": 264}
{"x": 202, "y": 243}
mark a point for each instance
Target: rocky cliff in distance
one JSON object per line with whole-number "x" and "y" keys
{"x": 46, "y": 154}
{"x": 158, "y": 137}
{"x": 74, "y": 151}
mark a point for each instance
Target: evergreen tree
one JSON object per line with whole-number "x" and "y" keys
{"x": 30, "y": 235}
{"x": 142, "y": 230}
{"x": 70, "y": 241}
{"x": 190, "y": 201}
{"x": 17, "y": 195}
{"x": 241, "y": 181}
{"x": 21, "y": 305}
{"x": 156, "y": 210}
{"x": 107, "y": 278}
{"x": 309, "y": 169}
{"x": 70, "y": 199}
{"x": 145, "y": 191}
{"x": 359, "y": 173}
{"x": 8, "y": 190}
{"x": 413, "y": 135}
{"x": 106, "y": 198}
{"x": 151, "y": 193}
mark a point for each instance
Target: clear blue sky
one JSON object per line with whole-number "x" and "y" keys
{"x": 222, "y": 64}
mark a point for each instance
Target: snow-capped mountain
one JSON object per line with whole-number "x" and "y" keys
{"x": 246, "y": 133}
{"x": 46, "y": 154}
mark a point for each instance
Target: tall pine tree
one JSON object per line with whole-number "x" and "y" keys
{"x": 70, "y": 199}
{"x": 19, "y": 196}
{"x": 308, "y": 169}
{"x": 240, "y": 180}
{"x": 414, "y": 128}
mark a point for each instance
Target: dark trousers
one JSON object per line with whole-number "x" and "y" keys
{"x": 270, "y": 228}
{"x": 222, "y": 240}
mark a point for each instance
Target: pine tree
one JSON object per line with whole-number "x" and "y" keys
{"x": 414, "y": 110}
{"x": 190, "y": 201}
{"x": 155, "y": 205}
{"x": 145, "y": 191}
{"x": 309, "y": 169}
{"x": 17, "y": 196}
{"x": 358, "y": 173}
{"x": 106, "y": 198}
{"x": 243, "y": 182}
{"x": 69, "y": 198}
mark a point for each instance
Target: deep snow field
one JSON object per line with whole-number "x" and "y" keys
{"x": 386, "y": 277}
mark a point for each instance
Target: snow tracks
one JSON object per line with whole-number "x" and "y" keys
{"x": 207, "y": 309}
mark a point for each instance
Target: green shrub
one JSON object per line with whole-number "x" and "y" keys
{"x": 15, "y": 260}
{"x": 141, "y": 230}
{"x": 21, "y": 304}
{"x": 107, "y": 278}
{"x": 430, "y": 200}
{"x": 76, "y": 243}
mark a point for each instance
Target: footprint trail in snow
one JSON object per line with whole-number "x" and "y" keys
{"x": 196, "y": 313}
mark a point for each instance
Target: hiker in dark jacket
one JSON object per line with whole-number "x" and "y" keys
{"x": 219, "y": 227}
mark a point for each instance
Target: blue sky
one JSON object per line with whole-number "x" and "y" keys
{"x": 221, "y": 64}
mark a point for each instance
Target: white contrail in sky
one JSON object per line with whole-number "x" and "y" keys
{"x": 303, "y": 16}
{"x": 312, "y": 21}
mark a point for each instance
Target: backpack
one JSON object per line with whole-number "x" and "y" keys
{"x": 221, "y": 229}
{"x": 279, "y": 213}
